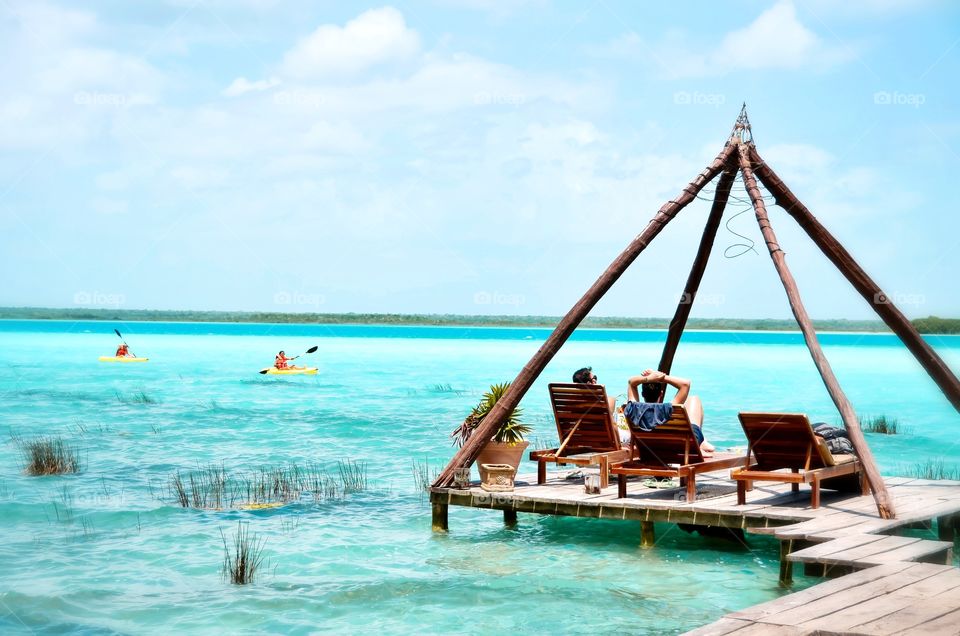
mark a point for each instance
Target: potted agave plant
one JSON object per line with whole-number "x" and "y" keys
{"x": 507, "y": 444}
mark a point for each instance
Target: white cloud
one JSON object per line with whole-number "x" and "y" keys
{"x": 776, "y": 39}
{"x": 372, "y": 38}
{"x": 242, "y": 85}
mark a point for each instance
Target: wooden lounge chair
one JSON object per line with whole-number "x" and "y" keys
{"x": 588, "y": 435}
{"x": 670, "y": 450}
{"x": 785, "y": 449}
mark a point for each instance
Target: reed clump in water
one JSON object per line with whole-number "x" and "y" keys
{"x": 880, "y": 424}
{"x": 50, "y": 456}
{"x": 445, "y": 388}
{"x": 933, "y": 469}
{"x": 241, "y": 563}
{"x": 353, "y": 475}
{"x": 207, "y": 488}
{"x": 136, "y": 397}
{"x": 214, "y": 488}
{"x": 422, "y": 476}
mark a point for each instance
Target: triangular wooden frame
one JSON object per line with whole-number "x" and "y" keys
{"x": 739, "y": 154}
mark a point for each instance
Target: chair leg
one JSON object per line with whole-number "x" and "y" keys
{"x": 691, "y": 488}
{"x": 541, "y": 472}
{"x": 622, "y": 486}
{"x": 795, "y": 487}
{"x": 815, "y": 492}
{"x": 604, "y": 472}
{"x": 864, "y": 484}
{"x": 741, "y": 492}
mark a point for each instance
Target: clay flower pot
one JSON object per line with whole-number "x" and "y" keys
{"x": 501, "y": 453}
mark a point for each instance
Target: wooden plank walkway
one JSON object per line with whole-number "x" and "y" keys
{"x": 894, "y": 598}
{"x": 892, "y": 584}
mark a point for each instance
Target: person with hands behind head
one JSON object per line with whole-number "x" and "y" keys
{"x": 645, "y": 412}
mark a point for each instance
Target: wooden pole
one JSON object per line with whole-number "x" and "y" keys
{"x": 679, "y": 322}
{"x": 884, "y": 502}
{"x": 888, "y": 312}
{"x": 518, "y": 388}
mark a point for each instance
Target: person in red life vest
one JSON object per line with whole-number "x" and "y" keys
{"x": 281, "y": 361}
{"x": 123, "y": 351}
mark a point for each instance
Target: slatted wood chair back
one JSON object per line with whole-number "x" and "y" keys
{"x": 783, "y": 440}
{"x": 673, "y": 442}
{"x": 583, "y": 417}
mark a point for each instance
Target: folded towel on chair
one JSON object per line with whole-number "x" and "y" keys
{"x": 647, "y": 416}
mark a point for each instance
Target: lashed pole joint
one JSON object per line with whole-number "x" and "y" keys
{"x": 850, "y": 421}
{"x": 532, "y": 370}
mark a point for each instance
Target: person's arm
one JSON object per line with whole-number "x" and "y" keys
{"x": 681, "y": 384}
{"x": 647, "y": 376}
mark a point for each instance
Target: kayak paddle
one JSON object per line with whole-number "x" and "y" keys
{"x": 264, "y": 371}
{"x": 124, "y": 341}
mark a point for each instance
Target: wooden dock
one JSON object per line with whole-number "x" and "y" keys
{"x": 844, "y": 536}
{"x": 893, "y": 598}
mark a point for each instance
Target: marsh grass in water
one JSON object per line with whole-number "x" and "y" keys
{"x": 49, "y": 456}
{"x": 880, "y": 424}
{"x": 932, "y": 469}
{"x": 83, "y": 429}
{"x": 243, "y": 561}
{"x": 65, "y": 516}
{"x": 423, "y": 476}
{"x": 136, "y": 397}
{"x": 543, "y": 443}
{"x": 445, "y": 388}
{"x": 214, "y": 488}
{"x": 353, "y": 475}
{"x": 208, "y": 488}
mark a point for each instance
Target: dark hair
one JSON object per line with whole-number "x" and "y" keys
{"x": 583, "y": 376}
{"x": 651, "y": 391}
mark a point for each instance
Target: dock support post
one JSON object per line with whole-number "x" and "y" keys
{"x": 510, "y": 518}
{"x": 786, "y": 565}
{"x": 648, "y": 535}
{"x": 946, "y": 527}
{"x": 440, "y": 523}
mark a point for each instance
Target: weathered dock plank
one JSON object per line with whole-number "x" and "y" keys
{"x": 894, "y": 598}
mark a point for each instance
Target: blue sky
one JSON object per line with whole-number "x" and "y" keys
{"x": 466, "y": 156}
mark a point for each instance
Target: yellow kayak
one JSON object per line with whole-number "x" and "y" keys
{"x": 299, "y": 371}
{"x": 125, "y": 359}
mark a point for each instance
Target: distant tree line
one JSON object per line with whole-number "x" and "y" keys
{"x": 930, "y": 325}
{"x": 935, "y": 325}
{"x": 926, "y": 325}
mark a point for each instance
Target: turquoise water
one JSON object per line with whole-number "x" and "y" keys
{"x": 108, "y": 550}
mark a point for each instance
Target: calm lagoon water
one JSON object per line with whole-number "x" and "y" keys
{"x": 108, "y": 550}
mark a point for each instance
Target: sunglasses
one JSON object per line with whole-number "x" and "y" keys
{"x": 593, "y": 378}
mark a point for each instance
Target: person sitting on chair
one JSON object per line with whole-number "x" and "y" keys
{"x": 652, "y": 389}
{"x": 587, "y": 376}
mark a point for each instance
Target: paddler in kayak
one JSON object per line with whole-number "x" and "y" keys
{"x": 281, "y": 361}
{"x": 123, "y": 351}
